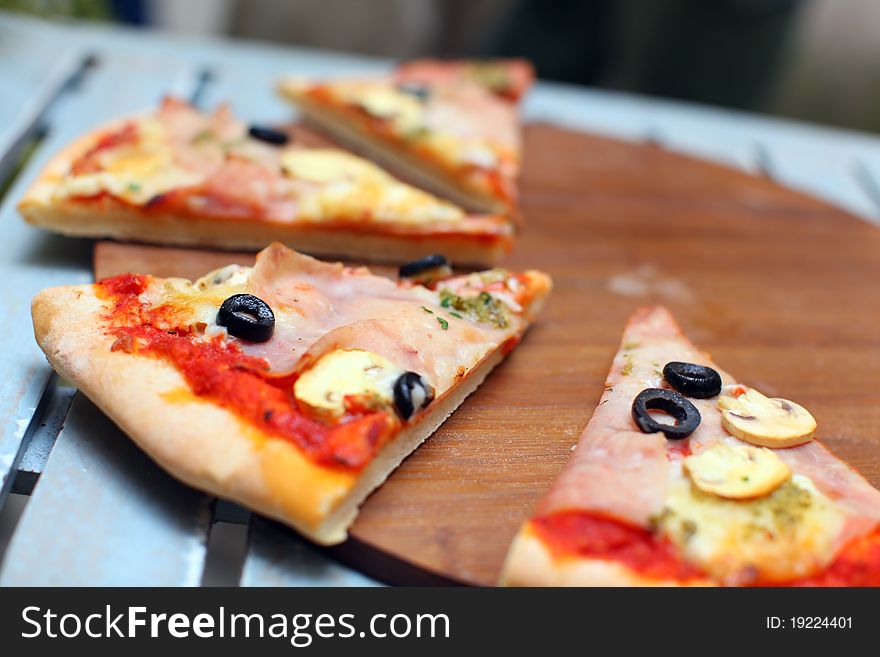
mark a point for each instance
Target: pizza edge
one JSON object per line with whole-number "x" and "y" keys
{"x": 374, "y": 241}
{"x": 422, "y": 171}
{"x": 530, "y": 563}
{"x": 265, "y": 473}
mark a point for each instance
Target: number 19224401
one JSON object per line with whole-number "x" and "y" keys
{"x": 809, "y": 622}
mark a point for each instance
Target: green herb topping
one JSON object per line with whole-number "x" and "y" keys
{"x": 481, "y": 308}
{"x": 203, "y": 136}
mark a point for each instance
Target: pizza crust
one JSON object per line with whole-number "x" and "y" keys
{"x": 373, "y": 242}
{"x": 422, "y": 172}
{"x": 209, "y": 447}
{"x": 122, "y": 222}
{"x": 530, "y": 563}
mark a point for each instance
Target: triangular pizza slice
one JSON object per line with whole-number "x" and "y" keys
{"x": 294, "y": 387}
{"x": 185, "y": 177}
{"x": 452, "y": 128}
{"x": 685, "y": 477}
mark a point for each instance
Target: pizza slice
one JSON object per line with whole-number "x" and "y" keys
{"x": 729, "y": 488}
{"x": 452, "y": 128}
{"x": 294, "y": 387}
{"x": 180, "y": 176}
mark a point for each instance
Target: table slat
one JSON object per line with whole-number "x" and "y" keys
{"x": 278, "y": 557}
{"x": 817, "y": 160}
{"x": 709, "y": 141}
{"x": 823, "y": 169}
{"x": 869, "y": 175}
{"x": 103, "y": 514}
{"x": 42, "y": 433}
{"x": 34, "y": 259}
{"x": 816, "y": 165}
{"x": 30, "y": 78}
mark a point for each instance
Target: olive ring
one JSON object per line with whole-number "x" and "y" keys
{"x": 696, "y": 381}
{"x": 687, "y": 417}
{"x": 247, "y": 317}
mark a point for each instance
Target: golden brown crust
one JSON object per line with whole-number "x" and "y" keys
{"x": 530, "y": 563}
{"x": 211, "y": 448}
{"x": 123, "y": 222}
{"x": 376, "y": 242}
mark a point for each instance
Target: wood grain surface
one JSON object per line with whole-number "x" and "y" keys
{"x": 782, "y": 289}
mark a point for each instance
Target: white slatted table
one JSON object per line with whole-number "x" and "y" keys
{"x": 99, "y": 511}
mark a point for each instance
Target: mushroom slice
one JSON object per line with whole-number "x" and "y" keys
{"x": 766, "y": 422}
{"x": 737, "y": 472}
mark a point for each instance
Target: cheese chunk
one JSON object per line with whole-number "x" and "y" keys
{"x": 351, "y": 188}
{"x": 196, "y": 304}
{"x": 404, "y": 110}
{"x": 787, "y": 534}
{"x": 347, "y": 373}
{"x": 134, "y": 172}
{"x": 323, "y": 165}
{"x": 228, "y": 275}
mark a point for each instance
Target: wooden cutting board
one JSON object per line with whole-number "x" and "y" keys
{"x": 782, "y": 289}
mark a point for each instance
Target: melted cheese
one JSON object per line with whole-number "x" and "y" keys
{"x": 325, "y": 165}
{"x": 200, "y": 302}
{"x": 458, "y": 124}
{"x": 404, "y": 110}
{"x": 228, "y": 275}
{"x": 134, "y": 172}
{"x": 354, "y": 189}
{"x": 341, "y": 375}
{"x": 787, "y": 534}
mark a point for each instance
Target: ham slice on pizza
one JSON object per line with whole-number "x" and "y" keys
{"x": 294, "y": 387}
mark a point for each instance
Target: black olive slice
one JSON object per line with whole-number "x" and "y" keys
{"x": 247, "y": 317}
{"x": 269, "y": 135}
{"x": 687, "y": 417}
{"x": 411, "y": 393}
{"x": 416, "y": 89}
{"x": 433, "y": 266}
{"x": 693, "y": 380}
